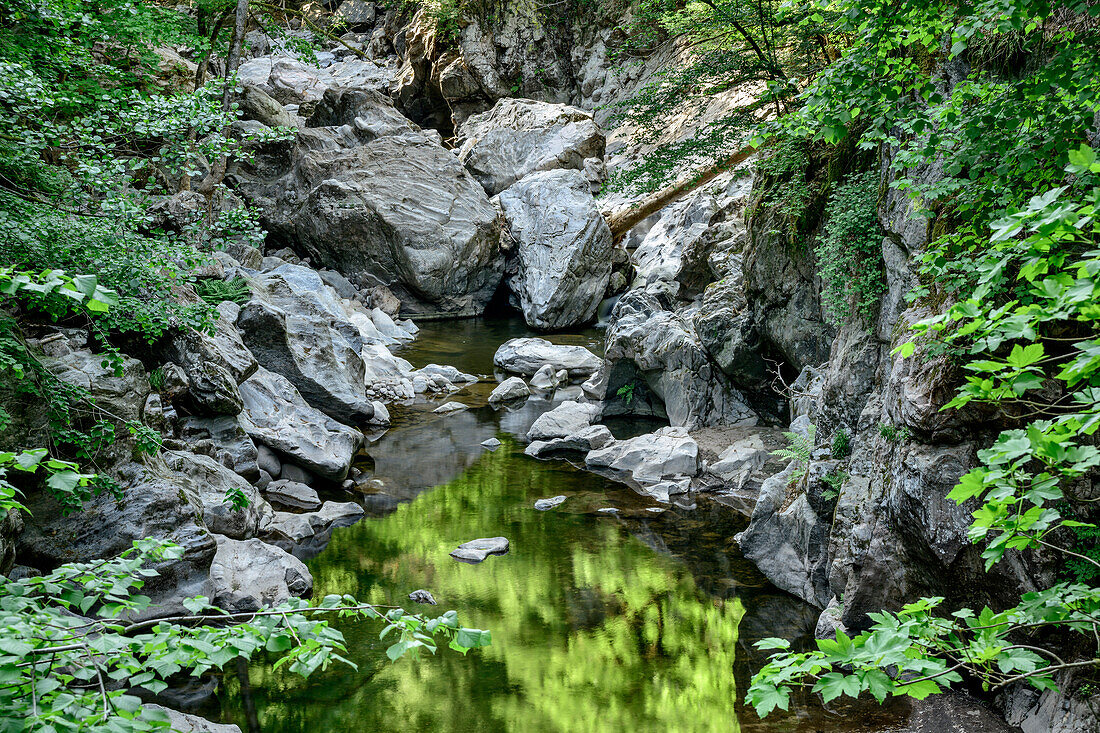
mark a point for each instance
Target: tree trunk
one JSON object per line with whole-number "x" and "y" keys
{"x": 623, "y": 222}
{"x": 233, "y": 60}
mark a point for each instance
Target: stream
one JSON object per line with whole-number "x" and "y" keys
{"x": 639, "y": 621}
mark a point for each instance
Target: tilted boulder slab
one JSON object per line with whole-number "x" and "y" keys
{"x": 562, "y": 249}
{"x": 377, "y": 199}
{"x": 295, "y": 326}
{"x": 521, "y": 136}
{"x": 276, "y": 415}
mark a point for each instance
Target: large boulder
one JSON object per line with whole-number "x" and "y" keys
{"x": 296, "y": 327}
{"x": 382, "y": 202}
{"x": 667, "y": 453}
{"x": 214, "y": 364}
{"x": 276, "y": 415}
{"x": 521, "y": 136}
{"x": 211, "y": 486}
{"x": 527, "y": 355}
{"x": 291, "y": 81}
{"x": 248, "y": 575}
{"x": 788, "y": 541}
{"x": 657, "y": 365}
{"x": 562, "y": 249}
{"x": 566, "y": 419}
{"x": 154, "y": 503}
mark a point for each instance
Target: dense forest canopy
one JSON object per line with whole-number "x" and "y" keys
{"x": 100, "y": 122}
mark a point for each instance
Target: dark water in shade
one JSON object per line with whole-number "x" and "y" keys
{"x": 639, "y": 622}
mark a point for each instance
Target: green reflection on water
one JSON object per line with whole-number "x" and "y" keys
{"x": 592, "y": 629}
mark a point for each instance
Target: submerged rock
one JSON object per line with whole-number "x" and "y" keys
{"x": 546, "y": 504}
{"x": 527, "y": 355}
{"x": 491, "y": 444}
{"x": 562, "y": 249}
{"x": 476, "y": 551}
{"x": 448, "y": 407}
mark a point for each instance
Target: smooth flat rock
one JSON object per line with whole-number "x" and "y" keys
{"x": 568, "y": 418}
{"x": 476, "y": 551}
{"x": 545, "y": 504}
{"x": 527, "y": 355}
{"x": 285, "y": 494}
{"x": 491, "y": 444}
{"x": 448, "y": 407}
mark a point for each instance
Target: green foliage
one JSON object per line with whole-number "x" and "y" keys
{"x": 842, "y": 444}
{"x": 893, "y": 433}
{"x": 63, "y": 478}
{"x": 835, "y": 480}
{"x": 849, "y": 252}
{"x": 626, "y": 392}
{"x": 215, "y": 291}
{"x": 799, "y": 447}
{"x": 70, "y": 659}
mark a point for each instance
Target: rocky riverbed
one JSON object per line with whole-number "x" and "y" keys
{"x": 409, "y": 185}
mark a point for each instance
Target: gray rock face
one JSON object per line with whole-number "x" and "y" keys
{"x": 521, "y": 136}
{"x": 510, "y": 390}
{"x": 562, "y": 249}
{"x": 568, "y": 418}
{"x": 250, "y": 575}
{"x": 11, "y": 525}
{"x": 526, "y": 355}
{"x": 726, "y": 329}
{"x": 152, "y": 505}
{"x": 378, "y": 198}
{"x": 208, "y": 484}
{"x": 291, "y": 326}
{"x": 290, "y": 81}
{"x": 654, "y": 353}
{"x": 788, "y": 541}
{"x": 650, "y": 458}
{"x": 229, "y": 442}
{"x": 284, "y": 494}
{"x": 277, "y": 416}
{"x": 287, "y": 530}
{"x": 476, "y": 551}
{"x": 737, "y": 463}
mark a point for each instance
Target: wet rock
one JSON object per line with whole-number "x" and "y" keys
{"x": 381, "y": 414}
{"x": 491, "y": 444}
{"x": 562, "y": 249}
{"x": 231, "y": 445}
{"x": 277, "y": 416}
{"x": 520, "y": 136}
{"x": 510, "y": 390}
{"x": 527, "y": 355}
{"x": 651, "y": 457}
{"x": 476, "y": 551}
{"x": 249, "y": 575}
{"x": 546, "y": 504}
{"x": 291, "y": 495}
{"x": 422, "y": 596}
{"x": 568, "y": 418}
{"x": 448, "y": 407}
{"x": 296, "y": 326}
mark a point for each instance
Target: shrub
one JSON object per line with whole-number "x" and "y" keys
{"x": 849, "y": 252}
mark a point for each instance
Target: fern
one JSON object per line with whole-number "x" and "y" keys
{"x": 798, "y": 450}
{"x": 217, "y": 291}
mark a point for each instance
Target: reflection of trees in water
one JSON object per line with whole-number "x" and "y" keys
{"x": 593, "y": 631}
